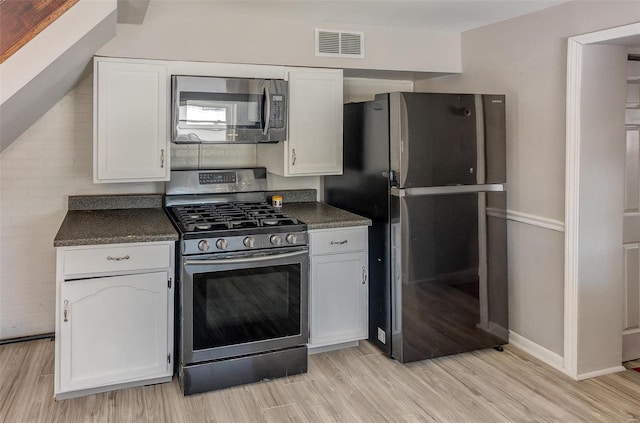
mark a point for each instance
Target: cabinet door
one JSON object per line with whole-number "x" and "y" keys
{"x": 339, "y": 298}
{"x": 315, "y": 122}
{"x": 130, "y": 135}
{"x": 113, "y": 330}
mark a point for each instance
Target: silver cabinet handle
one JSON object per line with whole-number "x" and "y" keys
{"x": 364, "y": 275}
{"x": 162, "y": 158}
{"x": 339, "y": 242}
{"x": 65, "y": 312}
{"x": 118, "y": 258}
{"x": 293, "y": 162}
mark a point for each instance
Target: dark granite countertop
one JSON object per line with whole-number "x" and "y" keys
{"x": 93, "y": 220}
{"x": 323, "y": 216}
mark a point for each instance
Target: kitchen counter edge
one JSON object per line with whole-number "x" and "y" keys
{"x": 317, "y": 215}
{"x": 95, "y": 227}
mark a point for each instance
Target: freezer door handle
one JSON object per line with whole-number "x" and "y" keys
{"x": 393, "y": 178}
{"x": 454, "y": 189}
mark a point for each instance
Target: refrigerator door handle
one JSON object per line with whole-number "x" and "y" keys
{"x": 393, "y": 178}
{"x": 454, "y": 189}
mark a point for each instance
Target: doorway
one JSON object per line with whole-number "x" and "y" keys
{"x": 596, "y": 69}
{"x": 631, "y": 223}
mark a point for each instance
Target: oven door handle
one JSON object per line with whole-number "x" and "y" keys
{"x": 244, "y": 259}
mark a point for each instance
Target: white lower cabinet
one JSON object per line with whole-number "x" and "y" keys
{"x": 113, "y": 331}
{"x": 339, "y": 287}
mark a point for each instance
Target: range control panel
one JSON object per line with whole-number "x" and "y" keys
{"x": 206, "y": 178}
{"x": 244, "y": 242}
{"x": 277, "y": 111}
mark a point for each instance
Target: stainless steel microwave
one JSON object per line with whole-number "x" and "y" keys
{"x": 228, "y": 110}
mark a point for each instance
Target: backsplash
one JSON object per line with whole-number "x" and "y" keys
{"x": 194, "y": 156}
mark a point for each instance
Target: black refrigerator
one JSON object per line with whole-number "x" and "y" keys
{"x": 429, "y": 170}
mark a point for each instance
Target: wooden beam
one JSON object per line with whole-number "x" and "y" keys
{"x": 21, "y": 20}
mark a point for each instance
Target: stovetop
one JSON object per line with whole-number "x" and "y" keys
{"x": 224, "y": 210}
{"x": 219, "y": 217}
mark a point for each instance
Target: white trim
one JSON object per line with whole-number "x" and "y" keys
{"x": 572, "y": 189}
{"x": 631, "y": 331}
{"x": 572, "y": 199}
{"x": 536, "y": 350}
{"x": 601, "y": 372}
{"x": 609, "y": 35}
{"x": 496, "y": 212}
{"x": 527, "y": 218}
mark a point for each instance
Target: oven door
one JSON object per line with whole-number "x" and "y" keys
{"x": 243, "y": 303}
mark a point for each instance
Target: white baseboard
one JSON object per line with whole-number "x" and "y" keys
{"x": 538, "y": 351}
{"x": 601, "y": 372}
{"x": 555, "y": 360}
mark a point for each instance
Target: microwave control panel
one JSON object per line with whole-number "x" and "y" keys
{"x": 277, "y": 111}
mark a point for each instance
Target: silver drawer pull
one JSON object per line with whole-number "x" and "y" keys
{"x": 118, "y": 258}
{"x": 66, "y": 310}
{"x": 339, "y": 242}
{"x": 364, "y": 275}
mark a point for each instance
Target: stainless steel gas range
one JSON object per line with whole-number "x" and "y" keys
{"x": 242, "y": 279}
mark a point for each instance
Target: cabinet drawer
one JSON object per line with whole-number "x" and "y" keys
{"x": 341, "y": 240}
{"x": 116, "y": 259}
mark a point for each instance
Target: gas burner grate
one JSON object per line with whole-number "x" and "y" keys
{"x": 220, "y": 216}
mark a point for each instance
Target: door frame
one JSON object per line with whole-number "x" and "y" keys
{"x": 615, "y": 36}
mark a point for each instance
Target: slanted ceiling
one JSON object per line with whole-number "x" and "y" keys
{"x": 42, "y": 71}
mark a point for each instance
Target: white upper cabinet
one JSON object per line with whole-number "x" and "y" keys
{"x": 314, "y": 139}
{"x": 131, "y": 112}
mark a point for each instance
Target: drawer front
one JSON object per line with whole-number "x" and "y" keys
{"x": 116, "y": 259}
{"x": 331, "y": 241}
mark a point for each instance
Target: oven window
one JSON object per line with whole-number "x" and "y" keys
{"x": 245, "y": 305}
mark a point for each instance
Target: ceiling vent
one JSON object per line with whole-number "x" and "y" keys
{"x": 339, "y": 43}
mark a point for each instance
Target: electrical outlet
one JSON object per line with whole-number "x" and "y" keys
{"x": 381, "y": 336}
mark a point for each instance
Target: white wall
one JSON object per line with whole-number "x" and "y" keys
{"x": 38, "y": 171}
{"x": 209, "y": 32}
{"x": 525, "y": 58}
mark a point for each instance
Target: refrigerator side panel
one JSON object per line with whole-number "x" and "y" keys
{"x": 364, "y": 189}
{"x": 497, "y": 267}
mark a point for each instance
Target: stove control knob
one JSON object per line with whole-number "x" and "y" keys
{"x": 291, "y": 238}
{"x": 276, "y": 239}
{"x": 221, "y": 244}
{"x": 203, "y": 245}
{"x": 249, "y": 242}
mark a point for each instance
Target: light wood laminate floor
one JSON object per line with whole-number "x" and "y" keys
{"x": 351, "y": 385}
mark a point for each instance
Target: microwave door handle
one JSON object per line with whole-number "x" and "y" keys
{"x": 267, "y": 113}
